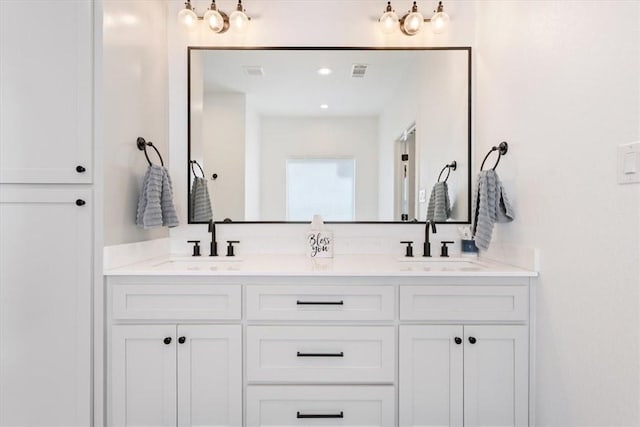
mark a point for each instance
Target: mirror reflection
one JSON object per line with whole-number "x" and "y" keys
{"x": 355, "y": 135}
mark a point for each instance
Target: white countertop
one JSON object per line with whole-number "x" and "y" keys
{"x": 301, "y": 265}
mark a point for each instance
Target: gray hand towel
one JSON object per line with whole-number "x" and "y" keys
{"x": 439, "y": 208}
{"x": 492, "y": 206}
{"x": 155, "y": 205}
{"x": 200, "y": 201}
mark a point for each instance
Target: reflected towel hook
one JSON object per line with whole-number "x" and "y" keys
{"x": 451, "y": 166}
{"x": 501, "y": 149}
{"x": 193, "y": 162}
{"x": 142, "y": 145}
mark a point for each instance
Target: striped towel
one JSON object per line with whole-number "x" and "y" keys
{"x": 439, "y": 208}
{"x": 155, "y": 205}
{"x": 200, "y": 202}
{"x": 492, "y": 206}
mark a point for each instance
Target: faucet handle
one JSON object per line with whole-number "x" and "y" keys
{"x": 230, "y": 247}
{"x": 409, "y": 248}
{"x": 196, "y": 247}
{"x": 444, "y": 252}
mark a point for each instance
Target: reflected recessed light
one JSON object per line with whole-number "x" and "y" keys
{"x": 324, "y": 71}
{"x": 324, "y": 106}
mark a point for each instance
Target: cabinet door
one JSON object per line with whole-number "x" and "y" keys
{"x": 496, "y": 375}
{"x": 209, "y": 375}
{"x": 143, "y": 375}
{"x": 46, "y": 83}
{"x": 430, "y": 377}
{"x": 45, "y": 304}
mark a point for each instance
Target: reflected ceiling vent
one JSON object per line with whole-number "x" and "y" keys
{"x": 253, "y": 70}
{"x": 358, "y": 70}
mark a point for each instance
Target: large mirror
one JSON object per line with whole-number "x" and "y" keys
{"x": 352, "y": 134}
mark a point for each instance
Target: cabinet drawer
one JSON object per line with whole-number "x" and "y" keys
{"x": 320, "y": 302}
{"x": 319, "y": 354}
{"x": 320, "y": 405}
{"x": 176, "y": 302}
{"x": 464, "y": 303}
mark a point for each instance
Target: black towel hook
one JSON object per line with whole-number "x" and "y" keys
{"x": 501, "y": 149}
{"x": 142, "y": 145}
{"x": 193, "y": 162}
{"x": 451, "y": 166}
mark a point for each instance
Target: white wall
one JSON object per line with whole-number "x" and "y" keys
{"x": 442, "y": 123}
{"x": 135, "y": 104}
{"x": 223, "y": 131}
{"x": 398, "y": 115}
{"x": 292, "y": 137}
{"x": 559, "y": 82}
{"x": 252, "y": 164}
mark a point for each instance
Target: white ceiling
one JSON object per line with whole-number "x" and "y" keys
{"x": 292, "y": 86}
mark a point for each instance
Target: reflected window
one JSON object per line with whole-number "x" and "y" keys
{"x": 321, "y": 186}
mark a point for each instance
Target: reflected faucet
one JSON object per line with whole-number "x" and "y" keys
{"x": 426, "y": 250}
{"x": 213, "y": 247}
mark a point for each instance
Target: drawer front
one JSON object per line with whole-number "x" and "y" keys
{"x": 176, "y": 302}
{"x": 464, "y": 303}
{"x": 320, "y": 302}
{"x": 319, "y": 354}
{"x": 320, "y": 405}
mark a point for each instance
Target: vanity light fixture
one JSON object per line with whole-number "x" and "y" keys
{"x": 412, "y": 21}
{"x": 217, "y": 20}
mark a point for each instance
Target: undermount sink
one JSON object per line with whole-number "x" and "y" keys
{"x": 201, "y": 264}
{"x": 439, "y": 264}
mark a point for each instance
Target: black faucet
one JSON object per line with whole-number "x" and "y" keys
{"x": 426, "y": 251}
{"x": 213, "y": 247}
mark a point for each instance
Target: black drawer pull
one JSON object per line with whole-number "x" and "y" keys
{"x": 320, "y": 302}
{"x": 300, "y": 415}
{"x": 341, "y": 354}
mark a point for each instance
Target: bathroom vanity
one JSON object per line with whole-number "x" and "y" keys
{"x": 286, "y": 340}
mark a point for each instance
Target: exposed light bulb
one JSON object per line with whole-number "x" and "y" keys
{"x": 238, "y": 19}
{"x": 187, "y": 16}
{"x": 440, "y": 20}
{"x": 413, "y": 21}
{"x": 389, "y": 20}
{"x": 214, "y": 19}
{"x": 325, "y": 71}
{"x": 324, "y": 106}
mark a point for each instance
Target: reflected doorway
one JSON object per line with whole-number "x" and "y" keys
{"x": 405, "y": 176}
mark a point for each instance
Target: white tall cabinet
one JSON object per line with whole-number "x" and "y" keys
{"x": 46, "y": 212}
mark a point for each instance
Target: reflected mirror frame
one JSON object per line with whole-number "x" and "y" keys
{"x": 190, "y": 49}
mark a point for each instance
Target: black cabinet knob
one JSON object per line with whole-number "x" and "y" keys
{"x": 80, "y": 202}
{"x": 181, "y": 340}
{"x": 472, "y": 340}
{"x": 458, "y": 340}
{"x": 167, "y": 340}
{"x": 80, "y": 169}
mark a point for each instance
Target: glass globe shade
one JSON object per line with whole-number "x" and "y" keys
{"x": 187, "y": 17}
{"x": 413, "y": 22}
{"x": 439, "y": 22}
{"x": 239, "y": 20}
{"x": 389, "y": 22}
{"x": 214, "y": 20}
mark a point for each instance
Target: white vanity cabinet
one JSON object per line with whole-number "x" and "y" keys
{"x": 175, "y": 354}
{"x": 454, "y": 375}
{"x": 331, "y": 351}
{"x": 471, "y": 373}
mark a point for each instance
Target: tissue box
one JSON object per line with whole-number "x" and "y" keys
{"x": 320, "y": 244}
